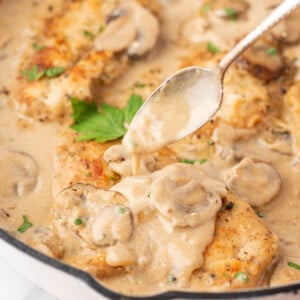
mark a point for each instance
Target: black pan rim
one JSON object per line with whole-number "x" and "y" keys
{"x": 102, "y": 290}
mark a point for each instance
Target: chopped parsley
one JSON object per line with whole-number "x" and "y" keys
{"x": 101, "y": 28}
{"x": 78, "y": 222}
{"x": 54, "y": 71}
{"x": 192, "y": 161}
{"x": 293, "y": 265}
{"x": 231, "y": 13}
{"x": 139, "y": 84}
{"x": 37, "y": 46}
{"x": 272, "y": 51}
{"x": 260, "y": 214}
{"x": 122, "y": 210}
{"x": 202, "y": 161}
{"x": 212, "y": 48}
{"x": 106, "y": 123}
{"x": 206, "y": 8}
{"x": 26, "y": 224}
{"x": 35, "y": 74}
{"x": 242, "y": 276}
{"x": 187, "y": 161}
{"x": 210, "y": 142}
{"x": 88, "y": 35}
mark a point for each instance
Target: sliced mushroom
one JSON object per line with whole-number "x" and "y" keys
{"x": 19, "y": 173}
{"x": 130, "y": 27}
{"x": 119, "y": 256}
{"x": 255, "y": 182}
{"x": 230, "y": 8}
{"x": 79, "y": 209}
{"x": 184, "y": 195}
{"x": 263, "y": 60}
{"x": 288, "y": 31}
{"x": 113, "y": 224}
{"x": 278, "y": 140}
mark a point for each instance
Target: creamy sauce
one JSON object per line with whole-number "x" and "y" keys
{"x": 181, "y": 200}
{"x": 180, "y": 106}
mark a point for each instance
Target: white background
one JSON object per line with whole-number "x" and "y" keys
{"x": 15, "y": 286}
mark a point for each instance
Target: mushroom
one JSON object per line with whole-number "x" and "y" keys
{"x": 184, "y": 195}
{"x": 86, "y": 211}
{"x": 130, "y": 27}
{"x": 119, "y": 256}
{"x": 278, "y": 140}
{"x": 230, "y": 8}
{"x": 263, "y": 60}
{"x": 113, "y": 223}
{"x": 19, "y": 173}
{"x": 288, "y": 31}
{"x": 255, "y": 182}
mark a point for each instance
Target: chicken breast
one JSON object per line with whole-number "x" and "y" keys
{"x": 243, "y": 252}
{"x": 241, "y": 255}
{"x": 70, "y": 57}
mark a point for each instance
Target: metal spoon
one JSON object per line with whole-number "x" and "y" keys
{"x": 188, "y": 99}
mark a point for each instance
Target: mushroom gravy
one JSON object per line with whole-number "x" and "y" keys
{"x": 158, "y": 230}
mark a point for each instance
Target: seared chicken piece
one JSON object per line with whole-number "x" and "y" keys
{"x": 85, "y": 162}
{"x": 75, "y": 52}
{"x": 242, "y": 253}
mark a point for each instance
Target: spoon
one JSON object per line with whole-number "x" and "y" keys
{"x": 190, "y": 98}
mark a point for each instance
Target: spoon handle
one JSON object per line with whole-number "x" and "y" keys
{"x": 277, "y": 14}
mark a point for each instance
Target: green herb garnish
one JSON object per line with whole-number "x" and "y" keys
{"x": 206, "y": 8}
{"x": 187, "y": 161}
{"x": 212, "y": 48}
{"x": 293, "y": 265}
{"x": 272, "y": 51}
{"x": 260, "y": 214}
{"x": 101, "y": 28}
{"x": 37, "y": 46}
{"x": 242, "y": 276}
{"x": 78, "y": 222}
{"x": 139, "y": 84}
{"x": 106, "y": 123}
{"x": 210, "y": 142}
{"x": 231, "y": 13}
{"x": 122, "y": 210}
{"x": 88, "y": 34}
{"x": 35, "y": 74}
{"x": 26, "y": 224}
{"x": 54, "y": 71}
{"x": 202, "y": 161}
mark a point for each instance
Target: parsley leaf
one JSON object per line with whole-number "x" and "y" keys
{"x": 54, "y": 71}
{"x": 37, "y": 46}
{"x": 35, "y": 74}
{"x": 103, "y": 124}
{"x": 212, "y": 48}
{"x": 187, "y": 161}
{"x": 206, "y": 8}
{"x": 134, "y": 103}
{"x": 26, "y": 224}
